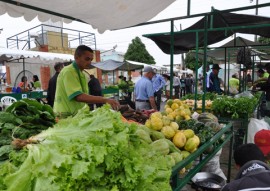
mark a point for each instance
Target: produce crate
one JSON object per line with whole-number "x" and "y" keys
{"x": 178, "y": 182}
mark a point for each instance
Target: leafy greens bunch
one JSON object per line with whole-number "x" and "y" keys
{"x": 22, "y": 120}
{"x": 235, "y": 108}
{"x": 92, "y": 151}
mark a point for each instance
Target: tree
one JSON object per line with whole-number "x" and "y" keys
{"x": 138, "y": 53}
{"x": 190, "y": 61}
{"x": 264, "y": 41}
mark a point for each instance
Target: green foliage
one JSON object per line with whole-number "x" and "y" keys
{"x": 265, "y": 41}
{"x": 90, "y": 151}
{"x": 190, "y": 61}
{"x": 22, "y": 120}
{"x": 235, "y": 108}
{"x": 137, "y": 52}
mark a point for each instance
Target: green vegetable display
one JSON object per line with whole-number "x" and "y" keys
{"x": 234, "y": 108}
{"x": 22, "y": 120}
{"x": 92, "y": 151}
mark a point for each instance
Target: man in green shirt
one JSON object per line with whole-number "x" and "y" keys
{"x": 262, "y": 75}
{"x": 234, "y": 84}
{"x": 72, "y": 88}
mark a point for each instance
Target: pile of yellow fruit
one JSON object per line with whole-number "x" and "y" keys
{"x": 165, "y": 123}
{"x": 177, "y": 109}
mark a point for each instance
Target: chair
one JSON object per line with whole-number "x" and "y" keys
{"x": 7, "y": 100}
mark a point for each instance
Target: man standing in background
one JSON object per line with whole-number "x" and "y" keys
{"x": 52, "y": 83}
{"x": 144, "y": 93}
{"x": 176, "y": 86}
{"x": 158, "y": 84}
{"x": 94, "y": 89}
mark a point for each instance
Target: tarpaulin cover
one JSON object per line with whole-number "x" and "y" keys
{"x": 110, "y": 65}
{"x": 103, "y": 15}
{"x": 183, "y": 42}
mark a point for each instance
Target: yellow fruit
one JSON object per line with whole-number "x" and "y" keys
{"x": 181, "y": 107}
{"x": 190, "y": 145}
{"x": 168, "y": 131}
{"x": 148, "y": 123}
{"x": 182, "y": 113}
{"x": 182, "y": 171}
{"x": 174, "y": 125}
{"x": 196, "y": 140}
{"x": 168, "y": 110}
{"x": 194, "y": 150}
{"x": 171, "y": 116}
{"x": 174, "y": 106}
{"x": 187, "y": 111}
{"x": 156, "y": 114}
{"x": 179, "y": 139}
{"x": 178, "y": 101}
{"x": 166, "y": 120}
{"x": 156, "y": 123}
{"x": 187, "y": 117}
{"x": 185, "y": 154}
{"x": 166, "y": 106}
{"x": 186, "y": 106}
{"x": 189, "y": 133}
{"x": 169, "y": 102}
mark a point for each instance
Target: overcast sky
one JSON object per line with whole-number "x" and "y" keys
{"x": 122, "y": 38}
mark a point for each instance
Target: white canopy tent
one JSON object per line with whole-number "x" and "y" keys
{"x": 122, "y": 13}
{"x": 30, "y": 61}
{"x": 34, "y": 56}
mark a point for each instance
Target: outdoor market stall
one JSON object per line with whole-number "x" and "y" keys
{"x": 96, "y": 143}
{"x": 21, "y": 63}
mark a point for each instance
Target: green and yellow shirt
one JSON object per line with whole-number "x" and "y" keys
{"x": 71, "y": 82}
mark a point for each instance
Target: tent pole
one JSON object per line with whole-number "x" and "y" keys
{"x": 204, "y": 59}
{"x": 113, "y": 76}
{"x": 171, "y": 58}
{"x": 253, "y": 69}
{"x": 229, "y": 58}
{"x": 196, "y": 70}
{"x": 24, "y": 72}
{"x": 225, "y": 73}
{"x": 188, "y": 7}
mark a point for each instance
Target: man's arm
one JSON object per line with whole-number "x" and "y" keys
{"x": 153, "y": 103}
{"x": 97, "y": 99}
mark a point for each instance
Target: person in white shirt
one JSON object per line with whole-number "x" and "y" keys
{"x": 176, "y": 86}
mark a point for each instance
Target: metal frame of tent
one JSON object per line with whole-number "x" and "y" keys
{"x": 207, "y": 28}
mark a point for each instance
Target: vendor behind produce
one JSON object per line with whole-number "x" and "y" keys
{"x": 263, "y": 76}
{"x": 144, "y": 92}
{"x": 72, "y": 88}
{"x": 265, "y": 86}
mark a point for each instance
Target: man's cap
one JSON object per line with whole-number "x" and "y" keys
{"x": 149, "y": 69}
{"x": 262, "y": 140}
{"x": 215, "y": 66}
{"x": 260, "y": 70}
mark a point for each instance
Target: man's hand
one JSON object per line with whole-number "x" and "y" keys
{"x": 115, "y": 104}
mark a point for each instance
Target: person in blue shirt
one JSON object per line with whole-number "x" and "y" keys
{"x": 214, "y": 82}
{"x": 144, "y": 92}
{"x": 158, "y": 84}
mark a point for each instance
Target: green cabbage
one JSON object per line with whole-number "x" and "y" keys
{"x": 92, "y": 151}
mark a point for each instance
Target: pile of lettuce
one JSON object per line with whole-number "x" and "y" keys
{"x": 92, "y": 151}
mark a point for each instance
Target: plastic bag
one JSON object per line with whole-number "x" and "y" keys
{"x": 244, "y": 94}
{"x": 254, "y": 126}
